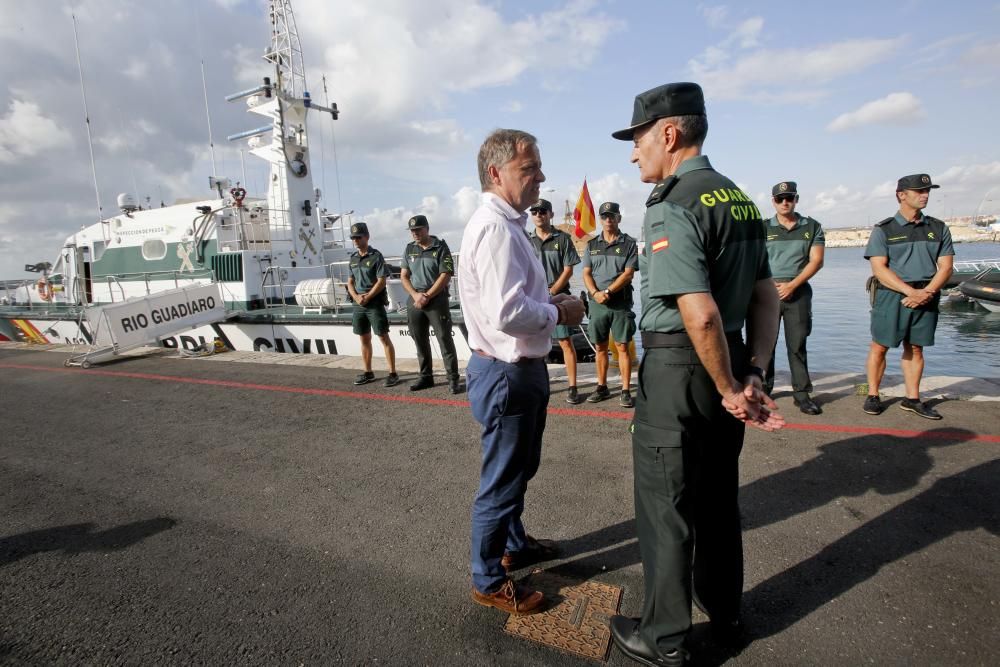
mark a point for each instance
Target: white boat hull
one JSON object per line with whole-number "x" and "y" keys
{"x": 318, "y": 338}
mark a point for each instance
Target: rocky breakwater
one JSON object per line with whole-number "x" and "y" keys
{"x": 855, "y": 237}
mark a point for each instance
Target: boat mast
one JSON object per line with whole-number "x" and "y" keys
{"x": 286, "y": 50}
{"x": 284, "y": 143}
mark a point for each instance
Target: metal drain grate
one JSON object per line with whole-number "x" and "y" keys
{"x": 577, "y": 621}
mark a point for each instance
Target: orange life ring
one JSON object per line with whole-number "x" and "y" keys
{"x": 44, "y": 289}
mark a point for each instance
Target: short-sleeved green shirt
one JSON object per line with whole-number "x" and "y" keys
{"x": 913, "y": 248}
{"x": 703, "y": 234}
{"x": 426, "y": 264}
{"x": 556, "y": 252}
{"x": 788, "y": 249}
{"x": 607, "y": 261}
{"x": 367, "y": 269}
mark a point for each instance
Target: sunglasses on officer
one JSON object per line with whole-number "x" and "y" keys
{"x": 538, "y": 211}
{"x": 783, "y": 198}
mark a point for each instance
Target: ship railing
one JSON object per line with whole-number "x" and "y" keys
{"x": 276, "y": 282}
{"x": 115, "y": 279}
{"x": 10, "y": 302}
{"x": 977, "y": 265}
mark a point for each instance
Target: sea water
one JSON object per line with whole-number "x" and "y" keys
{"x": 967, "y": 341}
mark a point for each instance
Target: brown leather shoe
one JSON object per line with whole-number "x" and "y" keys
{"x": 512, "y": 598}
{"x": 534, "y": 551}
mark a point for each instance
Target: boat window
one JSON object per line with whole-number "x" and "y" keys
{"x": 99, "y": 247}
{"x": 154, "y": 249}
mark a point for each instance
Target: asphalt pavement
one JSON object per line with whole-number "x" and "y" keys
{"x": 165, "y": 511}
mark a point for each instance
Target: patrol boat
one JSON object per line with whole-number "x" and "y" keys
{"x": 984, "y": 289}
{"x": 280, "y": 261}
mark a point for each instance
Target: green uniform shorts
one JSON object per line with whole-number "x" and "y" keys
{"x": 893, "y": 323}
{"x": 561, "y": 332}
{"x": 370, "y": 319}
{"x": 619, "y": 322}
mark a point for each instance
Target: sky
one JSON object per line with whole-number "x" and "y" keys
{"x": 843, "y": 98}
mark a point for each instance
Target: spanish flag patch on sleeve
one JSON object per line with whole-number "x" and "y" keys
{"x": 661, "y": 244}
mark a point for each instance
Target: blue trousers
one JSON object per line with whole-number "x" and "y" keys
{"x": 509, "y": 402}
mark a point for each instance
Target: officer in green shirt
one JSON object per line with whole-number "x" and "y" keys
{"x": 795, "y": 246}
{"x": 608, "y": 267}
{"x": 911, "y": 255}
{"x": 427, "y": 270}
{"x": 704, "y": 273}
{"x": 558, "y": 254}
{"x": 366, "y": 285}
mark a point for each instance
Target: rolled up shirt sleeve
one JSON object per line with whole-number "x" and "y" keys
{"x": 503, "y": 298}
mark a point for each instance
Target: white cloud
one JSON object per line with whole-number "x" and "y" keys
{"x": 748, "y": 32}
{"x": 25, "y": 131}
{"x": 403, "y": 66}
{"x": 716, "y": 15}
{"x": 514, "y": 106}
{"x": 893, "y": 109}
{"x": 802, "y": 71}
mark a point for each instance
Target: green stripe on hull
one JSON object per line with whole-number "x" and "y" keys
{"x": 128, "y": 264}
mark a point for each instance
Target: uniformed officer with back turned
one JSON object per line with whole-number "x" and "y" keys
{"x": 912, "y": 257}
{"x": 795, "y": 248}
{"x": 704, "y": 272}
{"x": 427, "y": 269}
{"x": 609, "y": 265}
{"x": 558, "y": 254}
{"x": 366, "y": 286}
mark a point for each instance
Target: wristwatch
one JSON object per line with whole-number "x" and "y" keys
{"x": 756, "y": 370}
{"x": 607, "y": 292}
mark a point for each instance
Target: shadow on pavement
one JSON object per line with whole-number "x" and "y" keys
{"x": 884, "y": 464}
{"x": 78, "y": 538}
{"x": 963, "y": 502}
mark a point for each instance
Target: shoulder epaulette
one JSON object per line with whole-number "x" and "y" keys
{"x": 885, "y": 222}
{"x": 661, "y": 190}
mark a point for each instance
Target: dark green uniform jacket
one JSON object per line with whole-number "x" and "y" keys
{"x": 701, "y": 231}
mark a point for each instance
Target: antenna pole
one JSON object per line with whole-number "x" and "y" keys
{"x": 204, "y": 90}
{"x": 86, "y": 116}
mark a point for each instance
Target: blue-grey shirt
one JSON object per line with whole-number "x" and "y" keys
{"x": 913, "y": 248}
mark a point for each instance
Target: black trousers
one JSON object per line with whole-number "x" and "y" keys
{"x": 434, "y": 315}
{"x": 685, "y": 450}
{"x": 796, "y": 313}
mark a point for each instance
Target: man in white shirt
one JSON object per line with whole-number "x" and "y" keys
{"x": 510, "y": 318}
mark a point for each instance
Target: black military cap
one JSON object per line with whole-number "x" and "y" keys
{"x": 785, "y": 188}
{"x": 672, "y": 99}
{"x": 418, "y": 221}
{"x": 359, "y": 229}
{"x": 610, "y": 207}
{"x": 915, "y": 182}
{"x": 543, "y": 204}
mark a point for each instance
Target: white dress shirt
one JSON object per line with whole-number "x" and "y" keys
{"x": 501, "y": 284}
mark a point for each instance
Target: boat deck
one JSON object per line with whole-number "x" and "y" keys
{"x": 233, "y": 510}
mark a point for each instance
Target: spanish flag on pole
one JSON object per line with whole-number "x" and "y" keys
{"x": 583, "y": 214}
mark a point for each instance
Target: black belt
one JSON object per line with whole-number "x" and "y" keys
{"x": 916, "y": 284}
{"x": 523, "y": 361}
{"x": 654, "y": 339}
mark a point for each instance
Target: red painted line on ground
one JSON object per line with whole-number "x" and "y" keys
{"x": 942, "y": 434}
